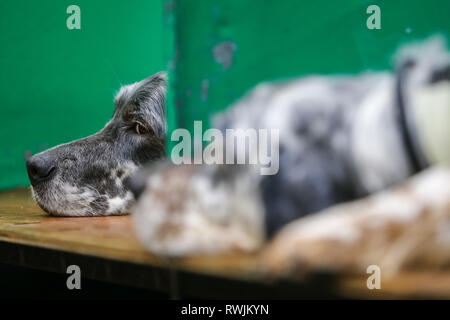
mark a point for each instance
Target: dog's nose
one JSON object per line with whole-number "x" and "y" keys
{"x": 136, "y": 184}
{"x": 40, "y": 168}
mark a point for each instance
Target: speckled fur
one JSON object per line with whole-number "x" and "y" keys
{"x": 340, "y": 140}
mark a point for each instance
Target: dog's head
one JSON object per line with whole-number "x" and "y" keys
{"x": 88, "y": 176}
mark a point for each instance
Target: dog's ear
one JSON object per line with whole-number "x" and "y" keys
{"x": 146, "y": 98}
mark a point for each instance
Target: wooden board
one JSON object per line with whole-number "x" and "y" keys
{"x": 107, "y": 250}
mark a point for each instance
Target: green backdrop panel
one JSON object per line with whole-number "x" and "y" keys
{"x": 56, "y": 84}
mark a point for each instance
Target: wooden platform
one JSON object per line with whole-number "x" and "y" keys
{"x": 106, "y": 249}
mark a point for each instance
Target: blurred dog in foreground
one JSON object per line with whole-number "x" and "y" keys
{"x": 341, "y": 138}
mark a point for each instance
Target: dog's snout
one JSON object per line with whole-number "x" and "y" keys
{"x": 40, "y": 168}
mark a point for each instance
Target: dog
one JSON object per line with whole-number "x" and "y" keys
{"x": 341, "y": 138}
{"x": 87, "y": 177}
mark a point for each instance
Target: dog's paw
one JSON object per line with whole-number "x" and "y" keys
{"x": 184, "y": 211}
{"x": 406, "y": 227}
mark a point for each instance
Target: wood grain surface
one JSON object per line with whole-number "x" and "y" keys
{"x": 27, "y": 233}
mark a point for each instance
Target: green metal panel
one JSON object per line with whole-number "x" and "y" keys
{"x": 56, "y": 84}
{"x": 281, "y": 39}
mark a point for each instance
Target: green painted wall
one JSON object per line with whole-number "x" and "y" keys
{"x": 56, "y": 84}
{"x": 284, "y": 38}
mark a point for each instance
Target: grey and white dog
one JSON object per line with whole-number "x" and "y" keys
{"x": 341, "y": 138}
{"x": 87, "y": 177}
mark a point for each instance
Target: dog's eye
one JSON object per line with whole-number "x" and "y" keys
{"x": 140, "y": 129}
